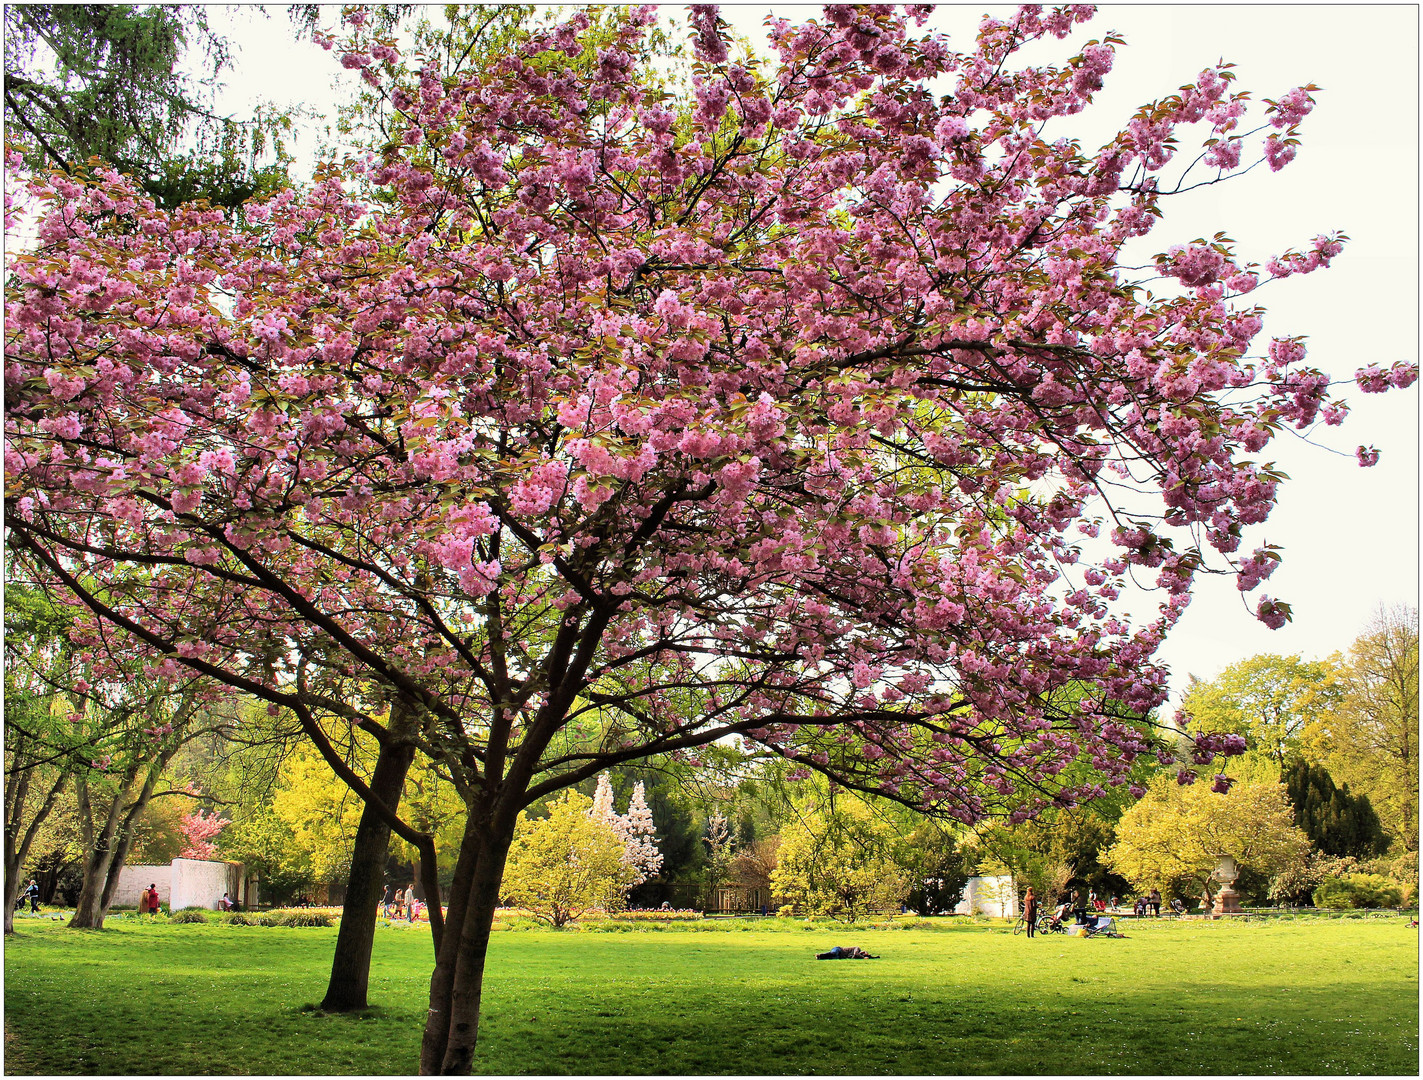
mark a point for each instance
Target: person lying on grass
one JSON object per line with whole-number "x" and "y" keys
{"x": 854, "y": 952}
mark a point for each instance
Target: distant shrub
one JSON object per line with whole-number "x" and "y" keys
{"x": 324, "y": 916}
{"x": 237, "y": 918}
{"x": 1358, "y": 891}
{"x": 188, "y": 915}
{"x": 308, "y": 918}
{"x": 295, "y": 917}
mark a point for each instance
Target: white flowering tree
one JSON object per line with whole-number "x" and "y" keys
{"x": 635, "y": 829}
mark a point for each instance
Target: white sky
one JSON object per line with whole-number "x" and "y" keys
{"x": 1350, "y": 535}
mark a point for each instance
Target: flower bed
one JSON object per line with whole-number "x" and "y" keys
{"x": 651, "y": 915}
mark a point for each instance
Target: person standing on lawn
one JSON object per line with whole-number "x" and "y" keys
{"x": 1156, "y": 902}
{"x": 1030, "y": 910}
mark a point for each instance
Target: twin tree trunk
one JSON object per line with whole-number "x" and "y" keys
{"x": 351, "y": 966}
{"x": 108, "y": 849}
{"x": 452, "y": 1026}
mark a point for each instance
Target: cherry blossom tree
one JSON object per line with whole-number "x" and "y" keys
{"x": 831, "y": 412}
{"x": 198, "y": 831}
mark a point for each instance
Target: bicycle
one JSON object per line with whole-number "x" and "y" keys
{"x": 1020, "y": 926}
{"x": 1049, "y": 925}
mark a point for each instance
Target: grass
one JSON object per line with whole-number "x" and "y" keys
{"x": 1314, "y": 997}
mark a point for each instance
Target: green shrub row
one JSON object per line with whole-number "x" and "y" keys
{"x": 276, "y": 918}
{"x": 1358, "y": 891}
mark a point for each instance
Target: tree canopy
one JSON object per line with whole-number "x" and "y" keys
{"x": 1269, "y": 699}
{"x": 1370, "y": 739}
{"x": 827, "y": 412}
{"x": 105, "y": 81}
{"x": 1173, "y": 837}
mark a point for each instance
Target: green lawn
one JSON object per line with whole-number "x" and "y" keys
{"x": 1174, "y": 997}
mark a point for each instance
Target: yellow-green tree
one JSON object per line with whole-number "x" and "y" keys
{"x": 838, "y": 859}
{"x": 1268, "y": 699}
{"x": 566, "y": 864}
{"x": 1370, "y": 739}
{"x": 1172, "y": 838}
{"x": 323, "y": 813}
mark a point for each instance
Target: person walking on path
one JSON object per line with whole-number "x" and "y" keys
{"x": 1156, "y": 902}
{"x": 32, "y": 894}
{"x": 410, "y": 902}
{"x": 1030, "y": 909}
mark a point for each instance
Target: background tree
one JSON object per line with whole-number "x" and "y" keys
{"x": 623, "y": 432}
{"x": 675, "y": 809}
{"x": 755, "y": 862}
{"x": 936, "y": 866}
{"x": 132, "y": 731}
{"x": 1336, "y": 822}
{"x": 1172, "y": 838}
{"x": 199, "y": 830}
{"x": 721, "y": 851}
{"x": 839, "y": 859}
{"x": 37, "y": 738}
{"x": 1269, "y": 699}
{"x": 566, "y": 864}
{"x": 105, "y": 81}
{"x": 1370, "y": 739}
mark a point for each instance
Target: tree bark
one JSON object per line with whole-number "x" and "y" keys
{"x": 432, "y": 1046}
{"x": 108, "y": 849}
{"x": 351, "y": 965}
{"x": 96, "y": 858}
{"x": 452, "y": 1028}
{"x": 19, "y": 835}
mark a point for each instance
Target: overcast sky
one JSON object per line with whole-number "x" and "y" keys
{"x": 1350, "y": 535}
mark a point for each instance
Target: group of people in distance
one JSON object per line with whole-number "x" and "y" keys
{"x": 398, "y": 904}
{"x": 1082, "y": 907}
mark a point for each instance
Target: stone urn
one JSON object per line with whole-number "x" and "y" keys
{"x": 1227, "y": 900}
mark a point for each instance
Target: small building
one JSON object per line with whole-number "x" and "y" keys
{"x": 995, "y": 896}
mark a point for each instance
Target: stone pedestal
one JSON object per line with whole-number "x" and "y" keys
{"x": 1227, "y": 902}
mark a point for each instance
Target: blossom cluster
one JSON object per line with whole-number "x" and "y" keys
{"x": 781, "y": 415}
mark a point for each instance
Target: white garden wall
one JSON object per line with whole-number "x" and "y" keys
{"x": 993, "y": 896}
{"x": 199, "y": 883}
{"x": 134, "y": 880}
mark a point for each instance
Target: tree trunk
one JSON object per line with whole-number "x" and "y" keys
{"x": 88, "y": 915}
{"x": 124, "y": 842}
{"x": 351, "y": 966}
{"x": 15, "y": 857}
{"x": 110, "y": 849}
{"x": 452, "y": 1027}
